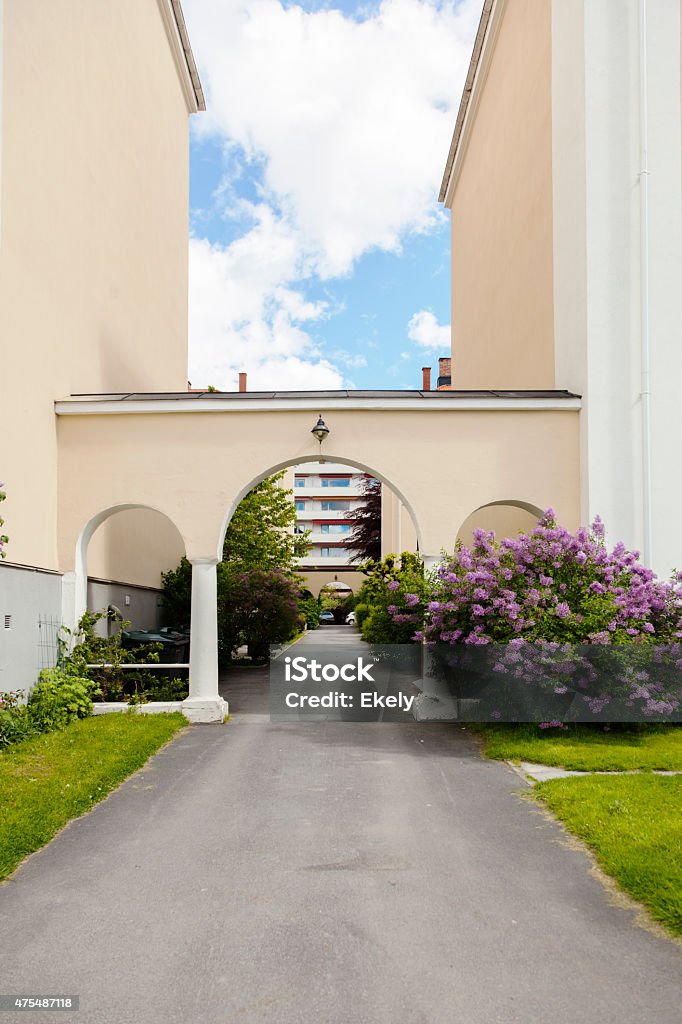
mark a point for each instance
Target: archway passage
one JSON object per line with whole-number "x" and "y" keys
{"x": 192, "y": 458}
{"x": 506, "y": 518}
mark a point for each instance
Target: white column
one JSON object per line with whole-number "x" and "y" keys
{"x": 74, "y": 599}
{"x": 204, "y": 703}
{"x": 435, "y": 702}
{"x": 430, "y": 561}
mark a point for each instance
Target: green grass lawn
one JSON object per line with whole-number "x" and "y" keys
{"x": 583, "y": 749}
{"x": 634, "y": 826}
{"x": 46, "y": 781}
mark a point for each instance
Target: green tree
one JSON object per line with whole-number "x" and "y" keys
{"x": 259, "y": 538}
{"x": 261, "y": 531}
{"x": 258, "y": 607}
{"x": 365, "y": 538}
{"x": 385, "y": 581}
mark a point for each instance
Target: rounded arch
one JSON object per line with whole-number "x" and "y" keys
{"x": 503, "y": 515}
{"x": 80, "y": 581}
{"x": 300, "y": 460}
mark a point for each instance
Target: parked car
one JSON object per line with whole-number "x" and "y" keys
{"x": 350, "y": 619}
{"x": 327, "y": 618}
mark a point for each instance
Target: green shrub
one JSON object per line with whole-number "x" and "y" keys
{"x": 394, "y": 575}
{"x": 59, "y": 698}
{"x": 310, "y": 610}
{"x": 361, "y": 613}
{"x": 15, "y": 723}
{"x": 159, "y": 690}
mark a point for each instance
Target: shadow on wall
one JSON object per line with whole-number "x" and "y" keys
{"x": 506, "y": 518}
{"x": 125, "y": 559}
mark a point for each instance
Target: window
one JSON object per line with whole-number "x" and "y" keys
{"x": 299, "y": 481}
{"x": 335, "y": 506}
{"x": 335, "y": 528}
{"x": 336, "y": 482}
{"x": 300, "y": 506}
{"x": 299, "y": 528}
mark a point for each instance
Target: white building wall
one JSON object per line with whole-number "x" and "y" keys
{"x": 30, "y": 616}
{"x": 599, "y": 257}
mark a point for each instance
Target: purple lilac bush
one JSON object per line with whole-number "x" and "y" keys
{"x": 543, "y": 595}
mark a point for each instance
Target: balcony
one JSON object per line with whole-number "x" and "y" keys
{"x": 314, "y": 487}
{"x": 315, "y": 512}
{"x": 311, "y": 561}
{"x": 327, "y": 539}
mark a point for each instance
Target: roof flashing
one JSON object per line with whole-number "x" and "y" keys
{"x": 176, "y": 30}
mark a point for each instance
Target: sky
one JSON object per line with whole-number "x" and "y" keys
{"x": 319, "y": 255}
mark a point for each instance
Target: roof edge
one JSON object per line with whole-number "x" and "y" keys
{"x": 176, "y": 30}
{"x": 489, "y": 8}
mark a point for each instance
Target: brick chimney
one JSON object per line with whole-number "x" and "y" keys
{"x": 444, "y": 373}
{"x": 242, "y": 382}
{"x": 426, "y": 378}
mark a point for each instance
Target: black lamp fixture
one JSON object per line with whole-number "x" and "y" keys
{"x": 320, "y": 430}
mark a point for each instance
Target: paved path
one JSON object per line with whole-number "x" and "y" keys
{"x": 326, "y": 873}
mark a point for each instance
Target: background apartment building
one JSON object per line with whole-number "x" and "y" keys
{"x": 325, "y": 493}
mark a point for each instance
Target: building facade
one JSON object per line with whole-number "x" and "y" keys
{"x": 564, "y": 182}
{"x": 95, "y": 101}
{"x": 324, "y": 495}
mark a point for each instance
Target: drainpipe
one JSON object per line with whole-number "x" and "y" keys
{"x": 645, "y": 348}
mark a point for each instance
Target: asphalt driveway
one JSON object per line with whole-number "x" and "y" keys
{"x": 341, "y": 873}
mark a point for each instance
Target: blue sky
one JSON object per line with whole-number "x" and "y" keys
{"x": 319, "y": 256}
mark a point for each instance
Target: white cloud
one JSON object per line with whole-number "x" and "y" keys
{"x": 353, "y": 360}
{"x": 346, "y": 123}
{"x": 425, "y": 331}
{"x": 244, "y": 316}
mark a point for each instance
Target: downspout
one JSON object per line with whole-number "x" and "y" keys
{"x": 645, "y": 348}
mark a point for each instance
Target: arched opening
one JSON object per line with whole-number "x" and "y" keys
{"x": 506, "y": 517}
{"x": 342, "y": 583}
{"x": 337, "y": 600}
{"x": 120, "y": 554}
{"x": 336, "y": 459}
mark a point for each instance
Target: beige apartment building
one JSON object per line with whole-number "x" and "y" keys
{"x": 564, "y": 182}
{"x": 94, "y": 164}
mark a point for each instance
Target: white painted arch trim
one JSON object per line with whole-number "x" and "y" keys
{"x": 103, "y": 407}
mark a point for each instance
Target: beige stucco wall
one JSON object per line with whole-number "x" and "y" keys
{"x": 135, "y": 546}
{"x": 504, "y": 520}
{"x": 315, "y": 581}
{"x": 397, "y": 529}
{"x": 93, "y": 249}
{"x": 502, "y": 309}
{"x": 196, "y": 467}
